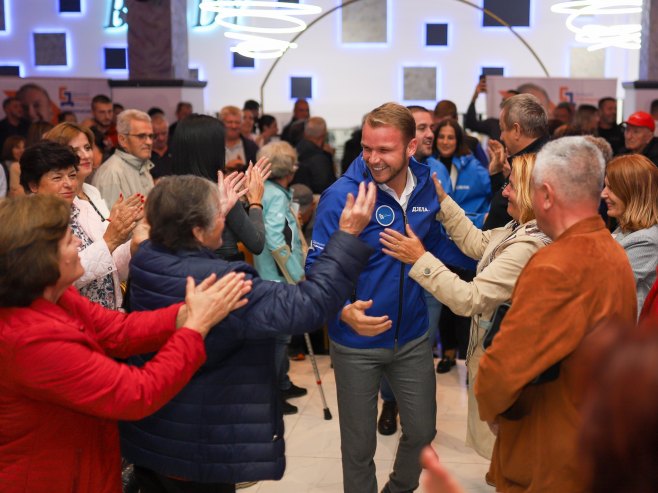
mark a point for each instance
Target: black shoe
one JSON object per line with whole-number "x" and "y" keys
{"x": 388, "y": 423}
{"x": 445, "y": 365}
{"x": 293, "y": 392}
{"x": 288, "y": 408}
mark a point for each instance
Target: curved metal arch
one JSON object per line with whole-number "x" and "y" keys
{"x": 349, "y": 2}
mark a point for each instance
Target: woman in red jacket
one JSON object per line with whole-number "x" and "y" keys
{"x": 61, "y": 391}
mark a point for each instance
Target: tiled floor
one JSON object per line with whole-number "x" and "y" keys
{"x": 313, "y": 444}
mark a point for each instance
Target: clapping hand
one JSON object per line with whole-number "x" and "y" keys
{"x": 497, "y": 156}
{"x": 231, "y": 189}
{"x": 255, "y": 179}
{"x": 440, "y": 192}
{"x": 124, "y": 216}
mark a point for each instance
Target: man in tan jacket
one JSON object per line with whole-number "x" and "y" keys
{"x": 561, "y": 302}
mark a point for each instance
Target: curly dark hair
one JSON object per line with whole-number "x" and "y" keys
{"x": 42, "y": 157}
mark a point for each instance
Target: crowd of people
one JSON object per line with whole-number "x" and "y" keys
{"x": 152, "y": 276}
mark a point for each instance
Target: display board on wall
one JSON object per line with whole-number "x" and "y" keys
{"x": 45, "y": 98}
{"x": 550, "y": 91}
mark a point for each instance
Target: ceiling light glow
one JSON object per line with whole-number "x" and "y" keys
{"x": 599, "y": 36}
{"x": 251, "y": 45}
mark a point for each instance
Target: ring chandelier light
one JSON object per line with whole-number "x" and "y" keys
{"x": 599, "y": 36}
{"x": 253, "y": 43}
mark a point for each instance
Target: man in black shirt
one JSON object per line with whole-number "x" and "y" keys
{"x": 316, "y": 164}
{"x": 13, "y": 123}
{"x": 608, "y": 127}
{"x": 523, "y": 130}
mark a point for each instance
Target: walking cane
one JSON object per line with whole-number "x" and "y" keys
{"x": 318, "y": 380}
{"x": 280, "y": 256}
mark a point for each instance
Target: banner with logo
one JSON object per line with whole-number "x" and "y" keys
{"x": 550, "y": 91}
{"x": 44, "y": 98}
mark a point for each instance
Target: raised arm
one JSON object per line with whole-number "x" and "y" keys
{"x": 468, "y": 238}
{"x": 491, "y": 287}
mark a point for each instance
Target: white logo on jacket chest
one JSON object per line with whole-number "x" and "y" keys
{"x": 419, "y": 209}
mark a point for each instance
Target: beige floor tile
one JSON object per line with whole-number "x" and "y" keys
{"x": 313, "y": 443}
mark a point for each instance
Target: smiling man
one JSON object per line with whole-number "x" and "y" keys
{"x": 385, "y": 303}
{"x": 387, "y": 422}
{"x": 127, "y": 171}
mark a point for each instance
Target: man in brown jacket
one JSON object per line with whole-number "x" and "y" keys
{"x": 564, "y": 296}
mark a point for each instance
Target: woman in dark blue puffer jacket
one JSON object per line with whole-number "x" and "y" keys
{"x": 225, "y": 426}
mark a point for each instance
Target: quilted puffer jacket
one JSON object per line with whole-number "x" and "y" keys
{"x": 226, "y": 426}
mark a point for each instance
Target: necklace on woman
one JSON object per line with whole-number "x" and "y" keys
{"x": 84, "y": 196}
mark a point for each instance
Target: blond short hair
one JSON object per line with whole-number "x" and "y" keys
{"x": 393, "y": 115}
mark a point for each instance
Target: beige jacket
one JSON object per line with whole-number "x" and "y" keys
{"x": 510, "y": 248}
{"x": 502, "y": 255}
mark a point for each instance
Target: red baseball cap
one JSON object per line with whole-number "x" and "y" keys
{"x": 641, "y": 119}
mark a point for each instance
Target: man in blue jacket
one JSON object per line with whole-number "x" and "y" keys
{"x": 385, "y": 303}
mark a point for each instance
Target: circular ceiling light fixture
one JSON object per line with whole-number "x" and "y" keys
{"x": 598, "y": 36}
{"x": 253, "y": 46}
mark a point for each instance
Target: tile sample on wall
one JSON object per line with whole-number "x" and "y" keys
{"x": 493, "y": 71}
{"x": 514, "y": 12}
{"x": 301, "y": 87}
{"x": 419, "y": 84}
{"x": 585, "y": 63}
{"x": 3, "y": 24}
{"x": 12, "y": 70}
{"x": 116, "y": 58}
{"x": 50, "y": 49}
{"x": 436, "y": 34}
{"x": 69, "y": 6}
{"x": 365, "y": 22}
{"x": 240, "y": 61}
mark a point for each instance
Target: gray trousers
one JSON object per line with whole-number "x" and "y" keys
{"x": 410, "y": 371}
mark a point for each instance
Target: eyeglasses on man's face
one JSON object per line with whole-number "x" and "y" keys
{"x": 142, "y": 137}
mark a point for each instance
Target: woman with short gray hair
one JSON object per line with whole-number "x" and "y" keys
{"x": 284, "y": 254}
{"x": 225, "y": 426}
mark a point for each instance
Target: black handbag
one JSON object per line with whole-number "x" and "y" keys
{"x": 547, "y": 375}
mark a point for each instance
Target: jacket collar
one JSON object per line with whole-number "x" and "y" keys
{"x": 280, "y": 187}
{"x": 202, "y": 252}
{"x": 584, "y": 226}
{"x": 140, "y": 165}
{"x": 534, "y": 146}
{"x": 49, "y": 309}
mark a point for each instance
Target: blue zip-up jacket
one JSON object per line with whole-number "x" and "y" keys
{"x": 384, "y": 280}
{"x": 225, "y": 426}
{"x": 473, "y": 194}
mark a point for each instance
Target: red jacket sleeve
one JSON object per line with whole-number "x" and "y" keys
{"x": 71, "y": 372}
{"x": 650, "y": 308}
{"x": 119, "y": 334}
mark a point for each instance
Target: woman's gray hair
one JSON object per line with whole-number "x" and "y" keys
{"x": 283, "y": 157}
{"x": 573, "y": 166}
{"x": 177, "y": 205}
{"x": 126, "y": 117}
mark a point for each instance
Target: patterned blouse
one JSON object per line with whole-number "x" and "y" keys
{"x": 99, "y": 290}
